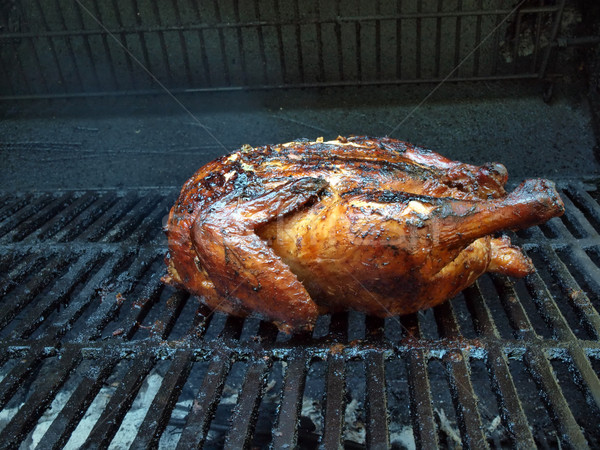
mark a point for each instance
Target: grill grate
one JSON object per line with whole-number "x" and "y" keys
{"x": 54, "y": 49}
{"x": 94, "y": 346}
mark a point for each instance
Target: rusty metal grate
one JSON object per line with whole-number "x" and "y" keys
{"x": 95, "y": 350}
{"x": 54, "y": 49}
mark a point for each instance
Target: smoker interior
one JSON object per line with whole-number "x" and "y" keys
{"x": 97, "y": 352}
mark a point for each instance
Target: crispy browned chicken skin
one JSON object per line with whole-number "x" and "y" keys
{"x": 289, "y": 231}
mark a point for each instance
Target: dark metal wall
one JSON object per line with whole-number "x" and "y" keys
{"x": 72, "y": 47}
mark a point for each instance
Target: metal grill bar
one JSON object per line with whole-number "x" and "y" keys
{"x": 13, "y": 278}
{"x": 158, "y": 415}
{"x": 108, "y": 219}
{"x": 56, "y": 296}
{"x": 581, "y": 363}
{"x": 246, "y": 409}
{"x": 509, "y": 404}
{"x": 84, "y": 219}
{"x": 334, "y": 405}
{"x": 109, "y": 422}
{"x": 198, "y": 421}
{"x": 285, "y": 433}
{"x": 60, "y": 221}
{"x": 420, "y": 389}
{"x": 71, "y": 313}
{"x": 65, "y": 423}
{"x": 461, "y": 388}
{"x": 376, "y": 398}
{"x": 541, "y": 372}
{"x": 24, "y": 421}
{"x": 540, "y": 368}
{"x": 31, "y": 290}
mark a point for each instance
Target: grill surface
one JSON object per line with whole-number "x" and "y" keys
{"x": 93, "y": 346}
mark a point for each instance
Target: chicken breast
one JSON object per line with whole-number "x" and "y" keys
{"x": 290, "y": 231}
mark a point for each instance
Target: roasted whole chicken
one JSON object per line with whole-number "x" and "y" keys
{"x": 287, "y": 232}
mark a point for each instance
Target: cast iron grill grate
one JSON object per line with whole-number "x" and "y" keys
{"x": 96, "y": 352}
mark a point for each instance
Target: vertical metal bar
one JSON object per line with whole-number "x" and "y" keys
{"x": 337, "y": 29}
{"x": 246, "y": 409}
{"x": 538, "y": 35}
{"x": 104, "y": 37}
{"x": 421, "y": 409}
{"x": 59, "y": 432}
{"x": 261, "y": 44}
{"x": 516, "y": 42}
{"x": 142, "y": 37}
{"x": 40, "y": 69}
{"x": 299, "y": 52}
{"x": 285, "y": 432}
{"x": 88, "y": 48}
{"x": 541, "y": 371}
{"x": 399, "y": 42}
{"x": 461, "y": 388}
{"x": 203, "y": 55}
{"x": 477, "y": 54}
{"x": 7, "y": 75}
{"x": 58, "y": 7}
{"x": 207, "y": 398}
{"x": 418, "y": 41}
{"x": 110, "y": 420}
{"x": 555, "y": 30}
{"x": 52, "y": 47}
{"x": 540, "y": 368}
{"x": 184, "y": 49}
{"x": 161, "y": 39}
{"x": 279, "y": 32}
{"x": 509, "y": 403}
{"x": 123, "y": 38}
{"x": 496, "y": 49}
{"x": 578, "y": 298}
{"x": 376, "y": 401}
{"x": 581, "y": 366}
{"x": 158, "y": 414}
{"x": 438, "y": 41}
{"x": 45, "y": 391}
{"x": 240, "y": 42}
{"x": 378, "y": 46}
{"x": 227, "y": 73}
{"x": 205, "y": 403}
{"x": 319, "y": 33}
{"x": 457, "y": 34}
{"x": 334, "y": 404}
{"x": 357, "y": 33}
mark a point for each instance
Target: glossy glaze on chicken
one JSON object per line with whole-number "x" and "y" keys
{"x": 289, "y": 231}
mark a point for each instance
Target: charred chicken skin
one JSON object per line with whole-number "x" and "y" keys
{"x": 290, "y": 231}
